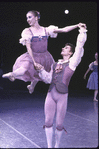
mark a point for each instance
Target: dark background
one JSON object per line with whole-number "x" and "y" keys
{"x": 13, "y": 21}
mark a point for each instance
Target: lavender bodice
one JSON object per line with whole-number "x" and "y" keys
{"x": 39, "y": 44}
{"x": 95, "y": 68}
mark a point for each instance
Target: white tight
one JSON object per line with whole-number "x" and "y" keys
{"x": 55, "y": 102}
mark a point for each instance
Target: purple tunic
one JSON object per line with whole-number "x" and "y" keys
{"x": 61, "y": 79}
{"x": 41, "y": 56}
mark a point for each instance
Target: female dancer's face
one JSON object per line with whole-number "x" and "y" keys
{"x": 96, "y": 55}
{"x": 31, "y": 19}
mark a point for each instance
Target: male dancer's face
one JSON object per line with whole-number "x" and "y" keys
{"x": 66, "y": 51}
{"x": 31, "y": 19}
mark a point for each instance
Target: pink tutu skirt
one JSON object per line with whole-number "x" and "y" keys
{"x": 26, "y": 62}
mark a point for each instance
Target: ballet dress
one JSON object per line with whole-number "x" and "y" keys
{"x": 92, "y": 83}
{"x": 40, "y": 53}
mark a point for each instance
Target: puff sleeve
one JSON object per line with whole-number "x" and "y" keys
{"x": 79, "y": 50}
{"x": 91, "y": 66}
{"x": 50, "y": 31}
{"x": 26, "y": 37}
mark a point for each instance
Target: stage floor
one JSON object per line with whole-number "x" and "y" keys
{"x": 22, "y": 120}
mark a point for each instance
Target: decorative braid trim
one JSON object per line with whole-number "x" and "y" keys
{"x": 47, "y": 126}
{"x": 62, "y": 129}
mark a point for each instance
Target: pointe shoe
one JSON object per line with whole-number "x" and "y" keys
{"x": 95, "y": 100}
{"x": 9, "y": 76}
{"x": 30, "y": 88}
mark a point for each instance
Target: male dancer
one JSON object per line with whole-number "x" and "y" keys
{"x": 59, "y": 77}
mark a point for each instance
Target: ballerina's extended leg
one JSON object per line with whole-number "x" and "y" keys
{"x": 12, "y": 75}
{"x": 9, "y": 75}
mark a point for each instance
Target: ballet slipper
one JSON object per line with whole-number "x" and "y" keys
{"x": 95, "y": 100}
{"x": 30, "y": 88}
{"x": 9, "y": 75}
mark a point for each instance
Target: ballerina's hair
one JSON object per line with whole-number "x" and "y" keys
{"x": 35, "y": 13}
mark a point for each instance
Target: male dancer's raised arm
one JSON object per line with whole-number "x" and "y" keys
{"x": 79, "y": 50}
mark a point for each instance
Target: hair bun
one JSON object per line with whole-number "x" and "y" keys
{"x": 38, "y": 14}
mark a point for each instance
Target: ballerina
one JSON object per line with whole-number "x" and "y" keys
{"x": 92, "y": 83}
{"x": 35, "y": 38}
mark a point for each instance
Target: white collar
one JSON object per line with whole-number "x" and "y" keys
{"x": 60, "y": 61}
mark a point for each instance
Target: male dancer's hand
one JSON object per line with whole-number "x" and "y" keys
{"x": 38, "y": 66}
{"x": 82, "y": 25}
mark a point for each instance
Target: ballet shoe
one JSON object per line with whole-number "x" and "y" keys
{"x": 30, "y": 88}
{"x": 95, "y": 100}
{"x": 9, "y": 76}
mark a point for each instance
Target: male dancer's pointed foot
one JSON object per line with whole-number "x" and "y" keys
{"x": 9, "y": 75}
{"x": 30, "y": 88}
